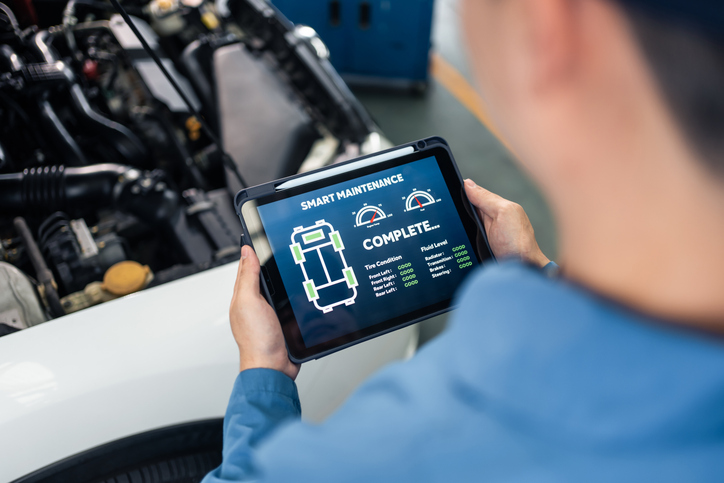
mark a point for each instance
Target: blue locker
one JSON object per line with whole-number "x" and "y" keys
{"x": 370, "y": 40}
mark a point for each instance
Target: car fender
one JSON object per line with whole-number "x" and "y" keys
{"x": 157, "y": 358}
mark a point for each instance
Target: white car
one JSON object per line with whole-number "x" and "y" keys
{"x": 141, "y": 384}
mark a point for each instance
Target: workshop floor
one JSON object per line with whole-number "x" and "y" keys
{"x": 446, "y": 110}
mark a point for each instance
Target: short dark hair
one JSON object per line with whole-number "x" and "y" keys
{"x": 689, "y": 68}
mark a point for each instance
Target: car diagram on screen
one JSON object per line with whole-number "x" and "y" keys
{"x": 319, "y": 252}
{"x": 418, "y": 200}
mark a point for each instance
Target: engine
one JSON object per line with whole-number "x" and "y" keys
{"x": 112, "y": 175}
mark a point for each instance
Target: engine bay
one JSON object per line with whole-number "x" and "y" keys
{"x": 112, "y": 175}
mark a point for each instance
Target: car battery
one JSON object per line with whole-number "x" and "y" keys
{"x": 376, "y": 42}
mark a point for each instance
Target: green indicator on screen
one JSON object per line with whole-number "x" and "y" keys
{"x": 462, "y": 257}
{"x": 350, "y": 278}
{"x": 311, "y": 293}
{"x": 315, "y": 235}
{"x": 336, "y": 241}
{"x": 408, "y": 274}
{"x": 297, "y": 253}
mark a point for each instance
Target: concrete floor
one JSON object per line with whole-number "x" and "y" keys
{"x": 479, "y": 154}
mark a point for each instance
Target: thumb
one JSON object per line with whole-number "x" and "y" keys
{"x": 485, "y": 201}
{"x": 248, "y": 276}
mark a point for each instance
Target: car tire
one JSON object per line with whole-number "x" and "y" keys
{"x": 183, "y": 453}
{"x": 183, "y": 469}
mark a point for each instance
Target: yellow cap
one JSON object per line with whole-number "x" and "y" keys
{"x": 124, "y": 278}
{"x": 210, "y": 20}
{"x": 164, "y": 5}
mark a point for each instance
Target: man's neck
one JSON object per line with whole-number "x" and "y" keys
{"x": 653, "y": 239}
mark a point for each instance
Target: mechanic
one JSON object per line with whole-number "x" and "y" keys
{"x": 614, "y": 370}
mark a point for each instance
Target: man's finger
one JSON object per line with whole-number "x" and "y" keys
{"x": 486, "y": 201}
{"x": 249, "y": 272}
{"x": 238, "y": 272}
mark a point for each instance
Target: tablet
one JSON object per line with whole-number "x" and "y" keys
{"x": 359, "y": 249}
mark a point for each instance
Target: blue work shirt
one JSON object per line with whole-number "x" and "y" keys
{"x": 534, "y": 380}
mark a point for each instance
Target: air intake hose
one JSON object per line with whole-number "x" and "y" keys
{"x": 54, "y": 188}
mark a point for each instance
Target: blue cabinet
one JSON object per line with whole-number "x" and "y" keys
{"x": 373, "y": 41}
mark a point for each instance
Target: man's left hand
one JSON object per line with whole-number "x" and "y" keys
{"x": 254, "y": 324}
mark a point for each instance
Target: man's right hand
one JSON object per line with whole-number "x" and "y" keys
{"x": 509, "y": 231}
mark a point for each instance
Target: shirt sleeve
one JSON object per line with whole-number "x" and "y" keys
{"x": 387, "y": 431}
{"x": 262, "y": 400}
{"x": 380, "y": 434}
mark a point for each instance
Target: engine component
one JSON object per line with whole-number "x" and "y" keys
{"x": 45, "y": 276}
{"x": 78, "y": 190}
{"x": 127, "y": 277}
{"x": 197, "y": 61}
{"x": 263, "y": 153}
{"x": 126, "y": 143}
{"x": 166, "y": 18}
{"x": 151, "y": 74}
{"x": 59, "y": 135}
{"x": 180, "y": 91}
{"x": 92, "y": 294}
{"x": 300, "y": 56}
{"x": 104, "y": 128}
{"x": 59, "y": 188}
{"x": 39, "y": 190}
{"x": 209, "y": 229}
{"x": 3, "y": 157}
{"x": 77, "y": 259}
{"x": 121, "y": 279}
{"x": 19, "y": 304}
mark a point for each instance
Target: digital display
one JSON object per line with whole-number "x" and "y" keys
{"x": 367, "y": 250}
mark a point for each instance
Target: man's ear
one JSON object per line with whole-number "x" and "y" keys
{"x": 552, "y": 41}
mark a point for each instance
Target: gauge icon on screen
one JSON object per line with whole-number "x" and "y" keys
{"x": 418, "y": 200}
{"x": 369, "y": 214}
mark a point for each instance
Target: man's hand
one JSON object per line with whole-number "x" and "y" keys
{"x": 254, "y": 324}
{"x": 509, "y": 231}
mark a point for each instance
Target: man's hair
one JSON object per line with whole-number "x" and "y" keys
{"x": 689, "y": 68}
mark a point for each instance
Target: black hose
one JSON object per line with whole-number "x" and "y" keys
{"x": 79, "y": 191}
{"x": 11, "y": 19}
{"x": 42, "y": 272}
{"x": 53, "y": 188}
{"x": 59, "y": 136}
{"x": 123, "y": 140}
{"x": 127, "y": 144}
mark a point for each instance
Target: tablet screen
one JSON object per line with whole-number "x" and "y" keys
{"x": 364, "y": 251}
